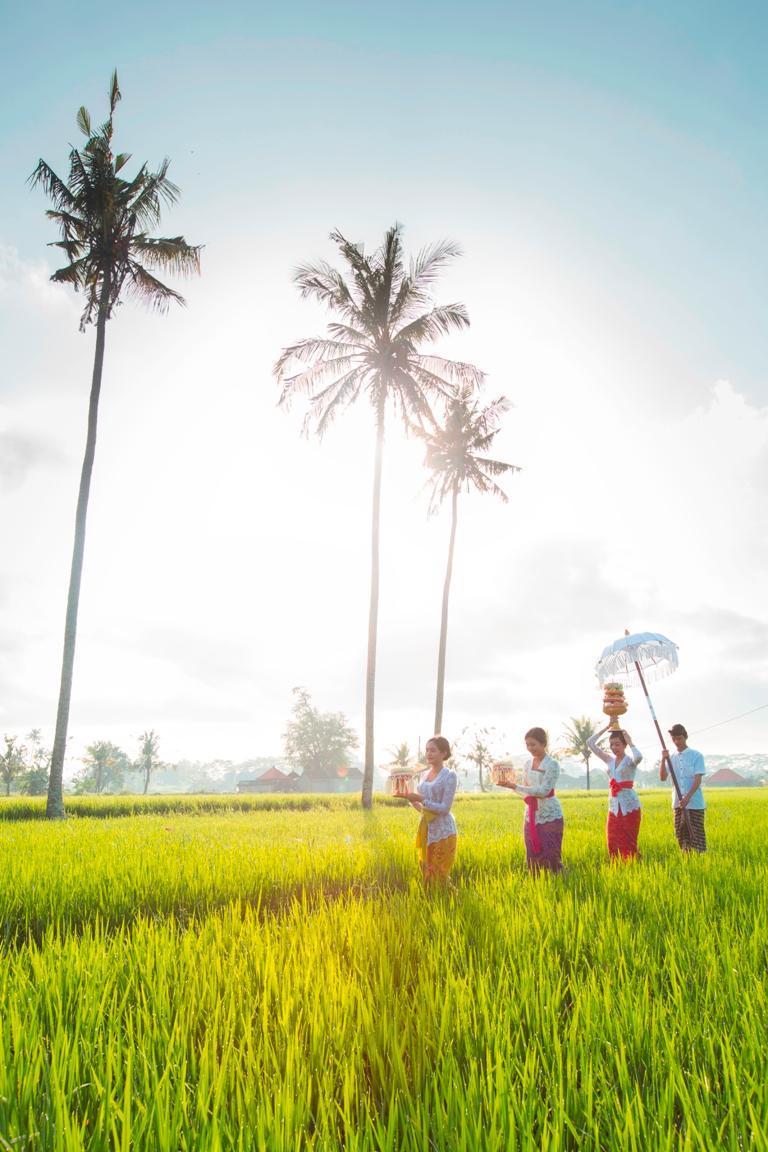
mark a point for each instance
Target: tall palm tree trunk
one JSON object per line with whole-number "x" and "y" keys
{"x": 55, "y": 804}
{"x": 373, "y": 613}
{"x": 444, "y": 621}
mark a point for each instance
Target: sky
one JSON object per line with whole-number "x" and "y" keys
{"x": 604, "y": 168}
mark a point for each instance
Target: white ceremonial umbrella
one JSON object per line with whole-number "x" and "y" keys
{"x": 634, "y": 659}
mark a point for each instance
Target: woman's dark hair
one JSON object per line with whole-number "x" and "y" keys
{"x": 442, "y": 746}
{"x": 537, "y": 734}
{"x": 621, "y": 735}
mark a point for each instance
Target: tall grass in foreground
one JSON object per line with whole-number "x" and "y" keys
{"x": 279, "y": 981}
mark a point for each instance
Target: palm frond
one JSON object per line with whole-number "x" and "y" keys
{"x": 325, "y": 406}
{"x": 496, "y": 467}
{"x": 83, "y": 120}
{"x": 354, "y": 336}
{"x": 440, "y": 321}
{"x": 304, "y": 383}
{"x": 149, "y": 290}
{"x": 465, "y": 377}
{"x": 167, "y": 252}
{"x": 52, "y": 185}
{"x": 74, "y": 273}
{"x": 147, "y": 206}
{"x": 329, "y": 287}
{"x": 314, "y": 348}
{"x": 431, "y": 261}
{"x": 361, "y": 268}
{"x": 114, "y": 93}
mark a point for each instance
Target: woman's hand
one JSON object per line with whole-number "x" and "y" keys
{"x": 413, "y": 797}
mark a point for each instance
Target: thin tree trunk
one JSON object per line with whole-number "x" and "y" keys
{"x": 444, "y": 619}
{"x": 373, "y": 614}
{"x": 146, "y": 780}
{"x": 587, "y": 773}
{"x": 55, "y": 804}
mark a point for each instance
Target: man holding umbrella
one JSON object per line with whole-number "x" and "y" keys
{"x": 687, "y": 800}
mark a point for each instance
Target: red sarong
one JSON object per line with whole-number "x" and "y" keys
{"x": 532, "y": 804}
{"x": 621, "y": 833}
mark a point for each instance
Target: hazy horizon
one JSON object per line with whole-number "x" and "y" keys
{"x": 604, "y": 171}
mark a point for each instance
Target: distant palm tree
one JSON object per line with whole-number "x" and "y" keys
{"x": 456, "y": 455}
{"x": 386, "y": 312}
{"x": 401, "y": 755}
{"x": 576, "y": 734}
{"x": 103, "y": 220}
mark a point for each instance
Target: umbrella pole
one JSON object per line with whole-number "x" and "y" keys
{"x": 661, "y": 738}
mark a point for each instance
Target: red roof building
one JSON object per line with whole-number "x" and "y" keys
{"x": 725, "y": 778}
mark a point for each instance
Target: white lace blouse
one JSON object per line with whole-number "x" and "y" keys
{"x": 538, "y": 782}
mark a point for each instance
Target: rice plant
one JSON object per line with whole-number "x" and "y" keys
{"x": 277, "y": 979}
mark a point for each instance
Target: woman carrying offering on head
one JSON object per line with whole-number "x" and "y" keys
{"x": 436, "y": 835}
{"x": 624, "y": 811}
{"x": 543, "y": 827}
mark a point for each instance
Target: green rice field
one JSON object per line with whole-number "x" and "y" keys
{"x": 189, "y": 974}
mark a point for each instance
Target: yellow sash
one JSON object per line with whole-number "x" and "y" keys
{"x": 421, "y": 834}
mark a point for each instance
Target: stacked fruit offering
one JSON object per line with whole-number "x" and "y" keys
{"x": 614, "y": 703}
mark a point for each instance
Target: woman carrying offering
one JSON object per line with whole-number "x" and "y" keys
{"x": 624, "y": 811}
{"x": 543, "y": 827}
{"x": 436, "y": 835}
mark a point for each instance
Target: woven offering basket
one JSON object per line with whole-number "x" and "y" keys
{"x": 504, "y": 774}
{"x": 401, "y": 783}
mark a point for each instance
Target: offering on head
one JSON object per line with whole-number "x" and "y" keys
{"x": 614, "y": 703}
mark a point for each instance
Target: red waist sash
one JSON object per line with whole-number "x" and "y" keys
{"x": 532, "y": 804}
{"x": 616, "y": 786}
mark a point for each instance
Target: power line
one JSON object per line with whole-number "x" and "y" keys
{"x": 730, "y": 721}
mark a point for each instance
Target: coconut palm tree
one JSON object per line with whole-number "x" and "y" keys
{"x": 456, "y": 455}
{"x": 103, "y": 220}
{"x": 384, "y": 314}
{"x": 576, "y": 734}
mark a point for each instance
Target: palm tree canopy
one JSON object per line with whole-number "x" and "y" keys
{"x": 456, "y": 452}
{"x": 104, "y": 220}
{"x": 577, "y": 733}
{"x": 385, "y": 313}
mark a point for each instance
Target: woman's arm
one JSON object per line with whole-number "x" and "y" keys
{"x": 442, "y": 807}
{"x": 592, "y": 745}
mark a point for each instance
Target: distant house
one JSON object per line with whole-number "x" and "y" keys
{"x": 345, "y": 778}
{"x": 273, "y": 780}
{"x": 726, "y": 778}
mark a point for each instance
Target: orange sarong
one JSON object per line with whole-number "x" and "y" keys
{"x": 435, "y": 860}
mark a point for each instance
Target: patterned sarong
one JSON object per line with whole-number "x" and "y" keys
{"x": 690, "y": 833}
{"x": 548, "y": 839}
{"x": 621, "y": 833}
{"x": 438, "y": 861}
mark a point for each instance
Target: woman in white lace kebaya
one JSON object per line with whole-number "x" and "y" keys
{"x": 624, "y": 811}
{"x": 436, "y": 834}
{"x": 543, "y": 827}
